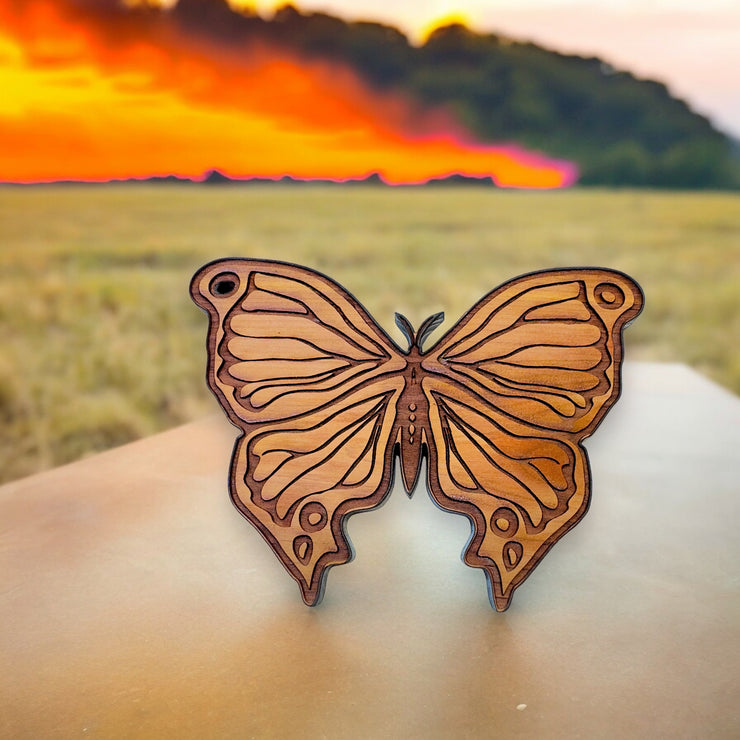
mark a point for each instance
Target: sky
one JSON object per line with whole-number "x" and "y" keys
{"x": 94, "y": 93}
{"x": 691, "y": 45}
{"x": 91, "y": 92}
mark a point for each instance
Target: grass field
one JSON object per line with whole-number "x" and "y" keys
{"x": 102, "y": 345}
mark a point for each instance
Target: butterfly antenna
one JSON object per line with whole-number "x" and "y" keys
{"x": 428, "y": 327}
{"x": 406, "y": 329}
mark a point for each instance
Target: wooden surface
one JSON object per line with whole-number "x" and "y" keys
{"x": 135, "y": 603}
{"x": 499, "y": 407}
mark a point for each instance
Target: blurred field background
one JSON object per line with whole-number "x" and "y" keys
{"x": 102, "y": 345}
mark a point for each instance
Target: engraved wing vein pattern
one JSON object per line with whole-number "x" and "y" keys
{"x": 325, "y": 401}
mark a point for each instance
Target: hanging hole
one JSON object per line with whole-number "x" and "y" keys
{"x": 224, "y": 285}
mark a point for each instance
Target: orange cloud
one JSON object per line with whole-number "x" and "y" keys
{"x": 92, "y": 93}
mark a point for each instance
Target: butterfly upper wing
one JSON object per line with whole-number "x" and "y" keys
{"x": 513, "y": 390}
{"x": 312, "y": 383}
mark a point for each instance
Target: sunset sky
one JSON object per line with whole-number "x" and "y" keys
{"x": 92, "y": 96}
{"x": 93, "y": 93}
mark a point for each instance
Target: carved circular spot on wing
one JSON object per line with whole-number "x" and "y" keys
{"x": 609, "y": 295}
{"x": 303, "y": 548}
{"x": 504, "y": 522}
{"x": 224, "y": 284}
{"x": 513, "y": 552}
{"x": 313, "y": 517}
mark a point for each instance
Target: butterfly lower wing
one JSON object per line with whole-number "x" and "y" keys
{"x": 312, "y": 383}
{"x": 297, "y": 481}
{"x": 513, "y": 389}
{"x": 521, "y": 487}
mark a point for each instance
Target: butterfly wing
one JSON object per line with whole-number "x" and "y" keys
{"x": 312, "y": 383}
{"x": 513, "y": 389}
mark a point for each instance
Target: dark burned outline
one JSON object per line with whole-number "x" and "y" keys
{"x": 426, "y": 448}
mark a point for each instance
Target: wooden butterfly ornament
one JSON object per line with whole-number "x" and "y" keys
{"x": 325, "y": 400}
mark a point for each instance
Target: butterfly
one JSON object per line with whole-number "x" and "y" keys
{"x": 325, "y": 402}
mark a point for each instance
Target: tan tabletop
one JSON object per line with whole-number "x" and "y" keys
{"x": 136, "y": 602}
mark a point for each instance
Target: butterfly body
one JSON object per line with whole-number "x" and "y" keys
{"x": 325, "y": 402}
{"x": 410, "y": 432}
